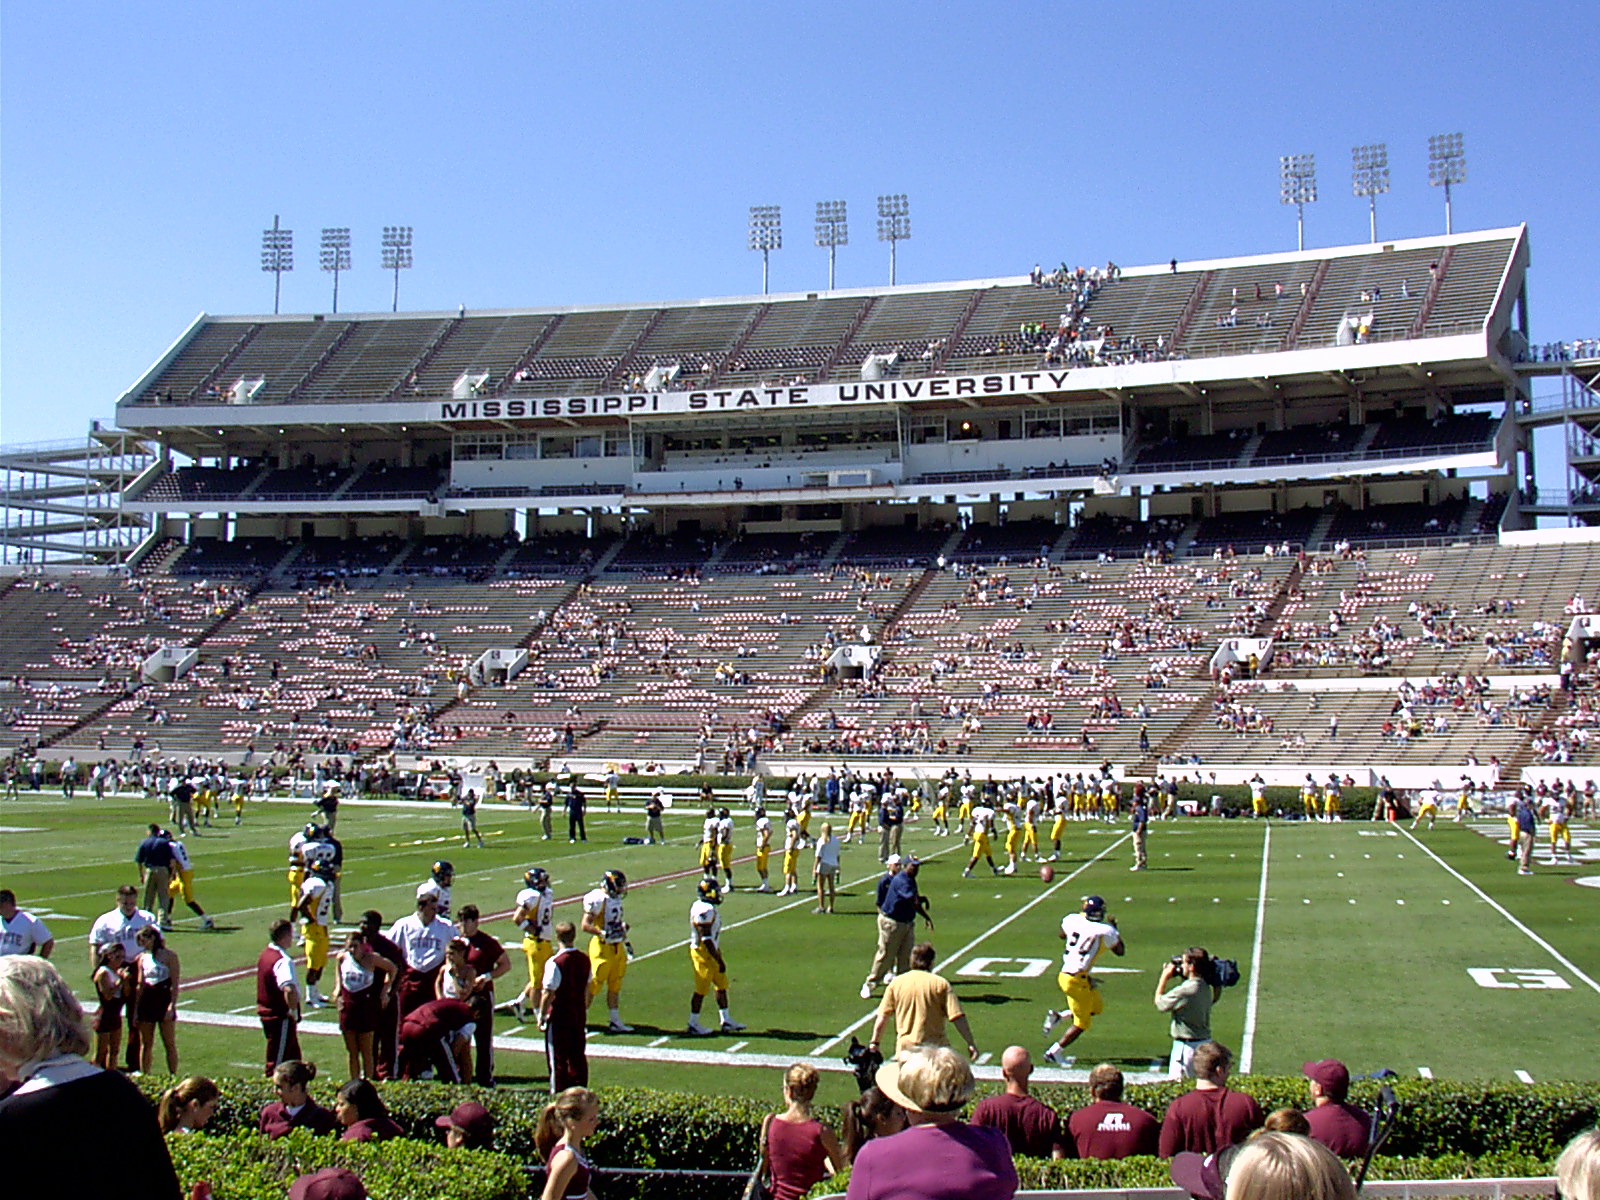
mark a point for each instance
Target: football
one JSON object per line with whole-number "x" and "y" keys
{"x": 1047, "y": 873}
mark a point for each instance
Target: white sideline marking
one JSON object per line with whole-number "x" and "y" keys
{"x": 1060, "y": 882}
{"x": 736, "y": 1047}
{"x": 1499, "y": 908}
{"x": 1425, "y": 1072}
{"x": 660, "y": 1041}
{"x": 1524, "y": 1076}
{"x": 1252, "y": 1001}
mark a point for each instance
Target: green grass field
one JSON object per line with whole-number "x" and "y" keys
{"x": 1425, "y": 953}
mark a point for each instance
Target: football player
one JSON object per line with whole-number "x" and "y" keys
{"x": 725, "y": 845}
{"x": 982, "y": 829}
{"x": 763, "y": 847}
{"x": 316, "y": 910}
{"x": 708, "y": 843}
{"x": 1258, "y": 796}
{"x": 534, "y": 915}
{"x": 608, "y": 943}
{"x": 1086, "y": 934}
{"x": 440, "y": 877}
{"x": 183, "y": 881}
{"x": 1560, "y": 835}
{"x": 1013, "y": 815}
{"x": 297, "y": 867}
{"x": 792, "y": 840}
{"x": 705, "y": 956}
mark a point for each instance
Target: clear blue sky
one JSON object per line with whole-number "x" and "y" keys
{"x": 562, "y": 154}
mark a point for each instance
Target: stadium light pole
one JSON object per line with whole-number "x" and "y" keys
{"x": 832, "y": 230}
{"x": 1447, "y": 165}
{"x": 766, "y": 234}
{"x": 277, "y": 256}
{"x": 1369, "y": 177}
{"x": 894, "y": 224}
{"x": 336, "y": 256}
{"x": 396, "y": 255}
{"x": 1297, "y": 185}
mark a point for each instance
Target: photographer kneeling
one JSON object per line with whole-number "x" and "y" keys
{"x": 1189, "y": 1005}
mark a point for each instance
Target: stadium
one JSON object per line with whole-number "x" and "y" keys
{"x": 1267, "y": 521}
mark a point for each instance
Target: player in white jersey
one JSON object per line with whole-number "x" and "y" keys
{"x": 792, "y": 841}
{"x": 534, "y": 915}
{"x": 183, "y": 881}
{"x": 705, "y": 956}
{"x": 725, "y": 845}
{"x": 1560, "y": 835}
{"x": 763, "y": 847}
{"x": 1031, "y": 813}
{"x": 1086, "y": 934}
{"x": 982, "y": 831}
{"x": 437, "y": 885}
{"x": 708, "y": 843}
{"x": 608, "y": 943}
{"x": 1013, "y": 815}
{"x": 316, "y": 910}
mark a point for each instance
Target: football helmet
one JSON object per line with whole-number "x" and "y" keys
{"x": 310, "y": 830}
{"x": 322, "y": 867}
{"x": 537, "y": 878}
{"x": 723, "y": 813}
{"x": 1094, "y": 906}
{"x": 709, "y": 890}
{"x": 615, "y": 883}
{"x": 444, "y": 871}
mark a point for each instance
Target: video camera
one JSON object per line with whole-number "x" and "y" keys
{"x": 1218, "y": 972}
{"x": 865, "y": 1061}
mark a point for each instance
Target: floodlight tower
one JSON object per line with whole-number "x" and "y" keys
{"x": 1447, "y": 164}
{"x": 277, "y": 256}
{"x": 832, "y": 230}
{"x": 396, "y": 255}
{"x": 1297, "y": 185}
{"x": 336, "y": 256}
{"x": 766, "y": 234}
{"x": 1369, "y": 177}
{"x": 894, "y": 224}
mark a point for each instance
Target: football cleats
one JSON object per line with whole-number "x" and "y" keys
{"x": 1094, "y": 906}
{"x": 537, "y": 878}
{"x": 615, "y": 883}
{"x": 443, "y": 871}
{"x": 709, "y": 891}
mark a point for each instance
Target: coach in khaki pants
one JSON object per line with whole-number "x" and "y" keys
{"x": 899, "y": 905}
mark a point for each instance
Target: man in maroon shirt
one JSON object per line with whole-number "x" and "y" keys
{"x": 278, "y": 995}
{"x": 487, "y": 957}
{"x": 1108, "y": 1128}
{"x": 1212, "y": 1117}
{"x": 385, "y": 1042}
{"x": 566, "y": 1007}
{"x": 1030, "y": 1125}
{"x": 1340, "y": 1127}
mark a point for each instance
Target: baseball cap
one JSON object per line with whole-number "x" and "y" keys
{"x": 330, "y": 1183}
{"x": 892, "y": 861}
{"x": 472, "y": 1119}
{"x": 1330, "y": 1074}
{"x": 1201, "y": 1175}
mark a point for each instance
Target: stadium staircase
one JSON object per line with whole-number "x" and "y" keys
{"x": 1313, "y": 290}
{"x": 420, "y": 363}
{"x": 1550, "y": 718}
{"x": 737, "y": 348}
{"x": 528, "y": 355}
{"x": 1319, "y": 531}
{"x": 837, "y": 356}
{"x": 831, "y": 554}
{"x": 220, "y": 371}
{"x": 1196, "y": 299}
{"x": 1432, "y": 296}
{"x": 618, "y": 372}
{"x": 957, "y": 331}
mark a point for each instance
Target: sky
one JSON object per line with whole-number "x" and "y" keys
{"x": 549, "y": 154}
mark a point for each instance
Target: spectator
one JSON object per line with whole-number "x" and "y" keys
{"x": 1578, "y": 1168}
{"x": 188, "y": 1106}
{"x": 1189, "y": 1005}
{"x": 940, "y": 1157}
{"x": 921, "y": 1003}
{"x": 437, "y": 1036}
{"x": 55, "y": 1098}
{"x": 468, "y": 1126}
{"x": 294, "y": 1108}
{"x": 871, "y": 1115}
{"x": 363, "y": 1114}
{"x": 1108, "y": 1128}
{"x": 1212, "y": 1117}
{"x": 1285, "y": 1166}
{"x": 797, "y": 1149}
{"x": 1340, "y": 1127}
{"x": 1031, "y": 1126}
{"x": 572, "y": 1116}
{"x": 330, "y": 1183}
{"x": 1287, "y": 1120}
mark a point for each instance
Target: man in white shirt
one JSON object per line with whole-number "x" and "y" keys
{"x": 422, "y": 937}
{"x": 22, "y": 932}
{"x": 122, "y": 924}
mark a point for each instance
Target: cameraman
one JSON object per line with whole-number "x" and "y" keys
{"x": 1189, "y": 1005}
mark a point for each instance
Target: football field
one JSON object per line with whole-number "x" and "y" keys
{"x": 1422, "y": 952}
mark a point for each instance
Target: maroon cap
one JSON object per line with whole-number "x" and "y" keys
{"x": 1330, "y": 1074}
{"x": 330, "y": 1183}
{"x": 472, "y": 1119}
{"x": 1198, "y": 1175}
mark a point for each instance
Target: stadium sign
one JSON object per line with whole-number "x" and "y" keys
{"x": 816, "y": 395}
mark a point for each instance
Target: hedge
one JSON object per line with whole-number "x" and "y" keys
{"x": 247, "y": 1166}
{"x": 1445, "y": 1129}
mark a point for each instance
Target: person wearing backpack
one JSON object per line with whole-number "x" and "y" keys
{"x": 1188, "y": 1005}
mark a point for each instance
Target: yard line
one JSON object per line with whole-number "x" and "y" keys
{"x": 736, "y": 1047}
{"x": 660, "y": 1041}
{"x": 1499, "y": 908}
{"x": 1524, "y": 1076}
{"x": 1425, "y": 1072}
{"x": 1253, "y": 999}
{"x": 990, "y": 932}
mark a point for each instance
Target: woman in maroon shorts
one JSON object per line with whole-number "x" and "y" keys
{"x": 362, "y": 981}
{"x": 110, "y": 985}
{"x": 157, "y": 1005}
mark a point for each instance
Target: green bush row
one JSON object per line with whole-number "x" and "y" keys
{"x": 647, "y": 1128}
{"x": 247, "y": 1166}
{"x": 1143, "y": 1171}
